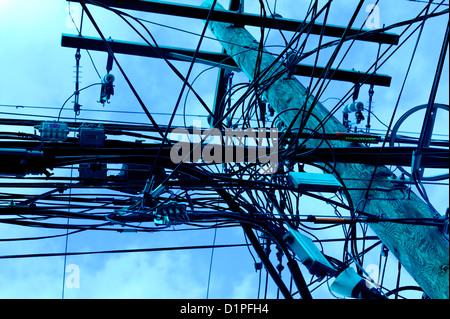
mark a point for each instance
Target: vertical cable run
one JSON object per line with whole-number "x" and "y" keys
{"x": 211, "y": 261}
{"x": 77, "y": 112}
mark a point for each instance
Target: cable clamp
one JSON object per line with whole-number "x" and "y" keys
{"x": 170, "y": 213}
{"x": 415, "y": 161}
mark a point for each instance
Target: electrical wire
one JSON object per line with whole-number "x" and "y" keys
{"x": 396, "y": 105}
{"x": 74, "y": 94}
{"x": 118, "y": 251}
{"x": 211, "y": 262}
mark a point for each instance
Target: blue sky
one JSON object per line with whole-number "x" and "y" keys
{"x": 37, "y": 72}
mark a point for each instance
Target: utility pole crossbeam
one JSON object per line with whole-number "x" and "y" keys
{"x": 239, "y": 18}
{"x": 421, "y": 250}
{"x": 221, "y": 60}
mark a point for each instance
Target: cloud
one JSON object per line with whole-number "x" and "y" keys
{"x": 135, "y": 276}
{"x": 248, "y": 287}
{"x": 32, "y": 278}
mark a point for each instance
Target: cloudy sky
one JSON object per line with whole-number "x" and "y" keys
{"x": 37, "y": 74}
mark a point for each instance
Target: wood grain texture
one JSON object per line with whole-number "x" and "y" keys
{"x": 420, "y": 249}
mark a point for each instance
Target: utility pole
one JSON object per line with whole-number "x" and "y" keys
{"x": 421, "y": 250}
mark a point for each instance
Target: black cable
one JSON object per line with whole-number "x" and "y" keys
{"x": 39, "y": 237}
{"x": 396, "y": 290}
{"x": 429, "y": 2}
{"x": 429, "y": 118}
{"x": 24, "y": 136}
{"x": 118, "y": 251}
{"x": 326, "y": 70}
{"x": 185, "y": 82}
{"x": 364, "y": 77}
{"x": 73, "y": 94}
{"x": 395, "y": 109}
{"x": 191, "y": 89}
{"x": 408, "y": 23}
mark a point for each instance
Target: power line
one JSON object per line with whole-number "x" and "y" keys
{"x": 430, "y": 2}
{"x": 119, "y": 251}
{"x": 211, "y": 262}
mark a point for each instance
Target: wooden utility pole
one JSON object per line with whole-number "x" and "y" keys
{"x": 421, "y": 250}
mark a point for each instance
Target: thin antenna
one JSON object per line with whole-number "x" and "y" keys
{"x": 76, "y": 105}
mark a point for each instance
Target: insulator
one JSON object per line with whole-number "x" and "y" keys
{"x": 353, "y": 107}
